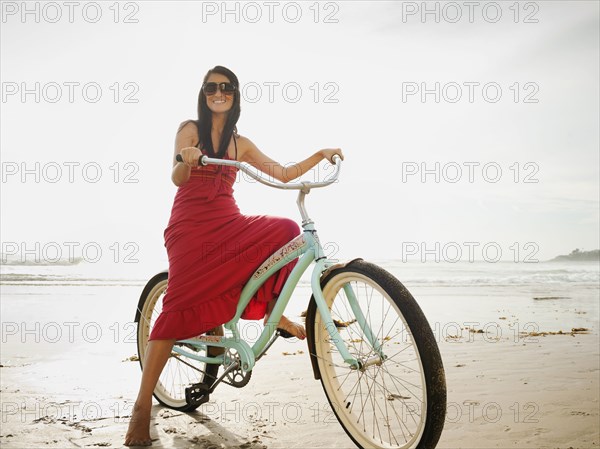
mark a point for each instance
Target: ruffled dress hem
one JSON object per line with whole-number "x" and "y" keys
{"x": 191, "y": 322}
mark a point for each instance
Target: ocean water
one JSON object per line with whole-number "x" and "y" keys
{"x": 431, "y": 274}
{"x": 495, "y": 274}
{"x": 52, "y": 311}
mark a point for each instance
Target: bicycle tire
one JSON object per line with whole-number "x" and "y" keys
{"x": 177, "y": 374}
{"x": 400, "y": 403}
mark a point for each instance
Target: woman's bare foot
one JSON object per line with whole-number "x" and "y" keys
{"x": 297, "y": 330}
{"x": 138, "y": 433}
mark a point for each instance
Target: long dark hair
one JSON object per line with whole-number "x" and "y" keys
{"x": 204, "y": 122}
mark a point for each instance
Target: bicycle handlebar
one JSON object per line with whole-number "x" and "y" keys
{"x": 205, "y": 160}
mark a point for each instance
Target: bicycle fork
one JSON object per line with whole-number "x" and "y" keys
{"x": 357, "y": 364}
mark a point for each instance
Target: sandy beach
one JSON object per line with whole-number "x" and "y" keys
{"x": 518, "y": 374}
{"x": 469, "y": 144}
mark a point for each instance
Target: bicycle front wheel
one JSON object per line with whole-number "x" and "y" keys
{"x": 397, "y": 399}
{"x": 179, "y": 372}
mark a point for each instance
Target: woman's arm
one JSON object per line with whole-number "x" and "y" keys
{"x": 252, "y": 155}
{"x": 185, "y": 138}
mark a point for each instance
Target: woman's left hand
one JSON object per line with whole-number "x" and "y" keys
{"x": 328, "y": 153}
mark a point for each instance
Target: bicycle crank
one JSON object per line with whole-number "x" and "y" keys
{"x": 235, "y": 376}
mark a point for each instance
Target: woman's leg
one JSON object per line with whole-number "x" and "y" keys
{"x": 138, "y": 433}
{"x": 296, "y": 329}
{"x": 214, "y": 351}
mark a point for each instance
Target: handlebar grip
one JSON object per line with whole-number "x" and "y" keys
{"x": 178, "y": 158}
{"x": 336, "y": 159}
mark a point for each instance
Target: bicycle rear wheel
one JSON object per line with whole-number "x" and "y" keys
{"x": 179, "y": 372}
{"x": 400, "y": 401}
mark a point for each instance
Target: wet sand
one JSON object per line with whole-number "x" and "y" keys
{"x": 517, "y": 375}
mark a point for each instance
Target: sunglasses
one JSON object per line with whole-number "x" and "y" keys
{"x": 211, "y": 88}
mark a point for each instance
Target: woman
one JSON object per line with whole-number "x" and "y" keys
{"x": 213, "y": 249}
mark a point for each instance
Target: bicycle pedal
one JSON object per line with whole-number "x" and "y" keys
{"x": 197, "y": 394}
{"x": 283, "y": 333}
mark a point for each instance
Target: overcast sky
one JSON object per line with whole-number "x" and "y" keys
{"x": 466, "y": 127}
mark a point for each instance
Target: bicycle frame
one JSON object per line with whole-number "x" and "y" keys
{"x": 308, "y": 249}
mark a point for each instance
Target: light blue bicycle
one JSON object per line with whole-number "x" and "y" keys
{"x": 369, "y": 342}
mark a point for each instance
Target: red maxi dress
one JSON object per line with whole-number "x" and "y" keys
{"x": 213, "y": 250}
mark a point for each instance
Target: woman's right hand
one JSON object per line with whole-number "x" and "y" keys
{"x": 328, "y": 153}
{"x": 190, "y": 156}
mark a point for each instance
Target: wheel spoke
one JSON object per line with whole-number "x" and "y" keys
{"x": 384, "y": 404}
{"x": 179, "y": 371}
